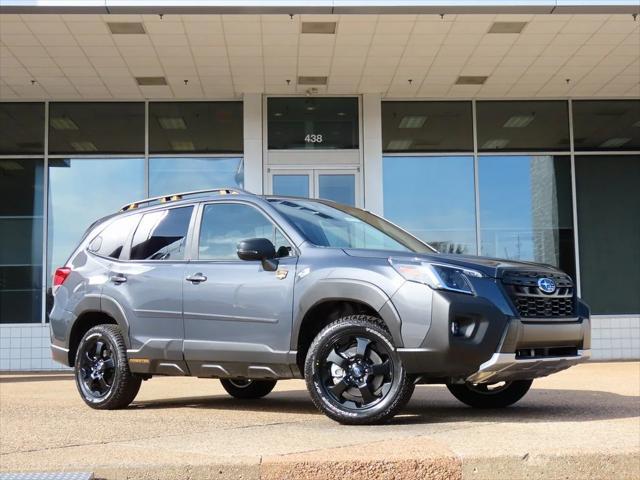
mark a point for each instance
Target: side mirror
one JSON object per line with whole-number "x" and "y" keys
{"x": 258, "y": 249}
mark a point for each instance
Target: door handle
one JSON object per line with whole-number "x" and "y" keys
{"x": 118, "y": 278}
{"x": 196, "y": 278}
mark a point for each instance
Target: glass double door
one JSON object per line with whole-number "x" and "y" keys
{"x": 341, "y": 185}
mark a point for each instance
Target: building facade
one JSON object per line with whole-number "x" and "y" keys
{"x": 512, "y": 135}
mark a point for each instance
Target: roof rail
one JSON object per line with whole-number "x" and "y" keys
{"x": 179, "y": 196}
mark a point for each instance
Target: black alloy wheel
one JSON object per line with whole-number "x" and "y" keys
{"x": 97, "y": 368}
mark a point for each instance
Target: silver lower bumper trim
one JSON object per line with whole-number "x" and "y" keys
{"x": 504, "y": 366}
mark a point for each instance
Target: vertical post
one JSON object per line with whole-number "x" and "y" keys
{"x": 476, "y": 180}
{"x": 574, "y": 202}
{"x": 372, "y": 150}
{"x": 45, "y": 214}
{"x": 252, "y": 133}
{"x": 146, "y": 149}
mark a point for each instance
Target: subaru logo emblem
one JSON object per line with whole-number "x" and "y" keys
{"x": 546, "y": 285}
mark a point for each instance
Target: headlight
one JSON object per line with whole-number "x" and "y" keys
{"x": 436, "y": 275}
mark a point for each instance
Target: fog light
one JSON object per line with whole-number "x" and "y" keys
{"x": 455, "y": 328}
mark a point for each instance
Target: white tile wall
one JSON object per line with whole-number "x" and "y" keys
{"x": 26, "y": 347}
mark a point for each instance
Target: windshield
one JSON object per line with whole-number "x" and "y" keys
{"x": 334, "y": 225}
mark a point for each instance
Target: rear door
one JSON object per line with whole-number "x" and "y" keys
{"x": 148, "y": 286}
{"x": 237, "y": 314}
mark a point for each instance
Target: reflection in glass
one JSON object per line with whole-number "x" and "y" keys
{"x": 21, "y": 202}
{"x": 608, "y": 203}
{"x": 161, "y": 235}
{"x": 522, "y": 126}
{"x": 312, "y": 123}
{"x": 337, "y": 187}
{"x": 433, "y": 198}
{"x": 81, "y": 191}
{"x": 526, "y": 209}
{"x": 291, "y": 185}
{"x": 172, "y": 175}
{"x": 606, "y": 124}
{"x": 21, "y": 128}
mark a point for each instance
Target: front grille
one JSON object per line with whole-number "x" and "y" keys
{"x": 531, "y": 302}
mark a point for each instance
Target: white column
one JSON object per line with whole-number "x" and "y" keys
{"x": 252, "y": 119}
{"x": 372, "y": 151}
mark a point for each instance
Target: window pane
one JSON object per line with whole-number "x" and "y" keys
{"x": 427, "y": 127}
{"x": 606, "y": 125}
{"x": 608, "y": 202}
{"x": 172, "y": 175}
{"x": 21, "y": 187}
{"x": 526, "y": 209}
{"x": 523, "y": 126}
{"x": 83, "y": 190}
{"x": 433, "y": 198}
{"x": 111, "y": 241}
{"x": 197, "y": 127}
{"x": 21, "y": 128}
{"x": 92, "y": 128}
{"x": 161, "y": 235}
{"x": 291, "y": 185}
{"x": 339, "y": 188}
{"x": 226, "y": 224}
{"x": 312, "y": 123}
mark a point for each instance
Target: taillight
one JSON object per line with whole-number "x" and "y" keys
{"x": 60, "y": 276}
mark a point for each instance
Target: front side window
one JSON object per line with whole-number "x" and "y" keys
{"x": 226, "y": 224}
{"x": 110, "y": 242}
{"x": 340, "y": 226}
{"x": 162, "y": 235}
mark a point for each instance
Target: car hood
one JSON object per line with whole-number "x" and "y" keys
{"x": 492, "y": 267}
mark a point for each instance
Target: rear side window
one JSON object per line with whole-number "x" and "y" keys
{"x": 162, "y": 235}
{"x": 111, "y": 241}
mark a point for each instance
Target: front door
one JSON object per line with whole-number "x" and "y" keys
{"x": 339, "y": 185}
{"x": 237, "y": 314}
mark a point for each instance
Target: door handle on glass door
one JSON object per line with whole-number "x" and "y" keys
{"x": 118, "y": 278}
{"x": 196, "y": 278}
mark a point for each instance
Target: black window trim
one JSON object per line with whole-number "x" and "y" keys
{"x": 195, "y": 240}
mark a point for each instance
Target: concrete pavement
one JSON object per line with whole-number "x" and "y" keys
{"x": 581, "y": 423}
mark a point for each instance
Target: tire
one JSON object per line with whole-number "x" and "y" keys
{"x": 354, "y": 374}
{"x": 247, "y": 389}
{"x": 102, "y": 371}
{"x": 483, "y": 396}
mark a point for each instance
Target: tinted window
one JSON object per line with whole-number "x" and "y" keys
{"x": 196, "y": 127}
{"x": 312, "y": 123}
{"x": 608, "y": 202}
{"x": 226, "y": 224}
{"x": 21, "y": 128}
{"x": 89, "y": 128}
{"x": 523, "y": 126}
{"x": 606, "y": 125}
{"x": 110, "y": 242}
{"x": 427, "y": 126}
{"x": 161, "y": 235}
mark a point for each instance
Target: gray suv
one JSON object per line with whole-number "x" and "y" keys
{"x": 254, "y": 289}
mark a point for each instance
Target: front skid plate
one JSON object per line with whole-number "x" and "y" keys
{"x": 504, "y": 367}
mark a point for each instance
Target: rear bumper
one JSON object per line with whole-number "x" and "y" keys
{"x": 506, "y": 366}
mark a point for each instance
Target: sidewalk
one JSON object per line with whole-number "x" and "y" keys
{"x": 581, "y": 423}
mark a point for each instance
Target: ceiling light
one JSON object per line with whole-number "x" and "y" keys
{"x": 342, "y": 114}
{"x": 310, "y": 108}
{"x": 399, "y": 144}
{"x": 172, "y": 123}
{"x": 471, "y": 80}
{"x": 519, "y": 121}
{"x": 151, "y": 81}
{"x": 10, "y": 165}
{"x": 126, "y": 28}
{"x": 615, "y": 142}
{"x": 412, "y": 121}
{"x": 277, "y": 114}
{"x": 62, "y": 123}
{"x": 637, "y": 124}
{"x": 507, "y": 27}
{"x": 495, "y": 144}
{"x": 182, "y": 146}
{"x": 312, "y": 80}
{"x": 83, "y": 146}
{"x": 319, "y": 27}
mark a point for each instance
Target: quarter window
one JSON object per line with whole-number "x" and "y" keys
{"x": 226, "y": 224}
{"x": 112, "y": 239}
{"x": 162, "y": 235}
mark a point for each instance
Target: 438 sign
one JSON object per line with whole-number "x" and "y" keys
{"x": 313, "y": 138}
